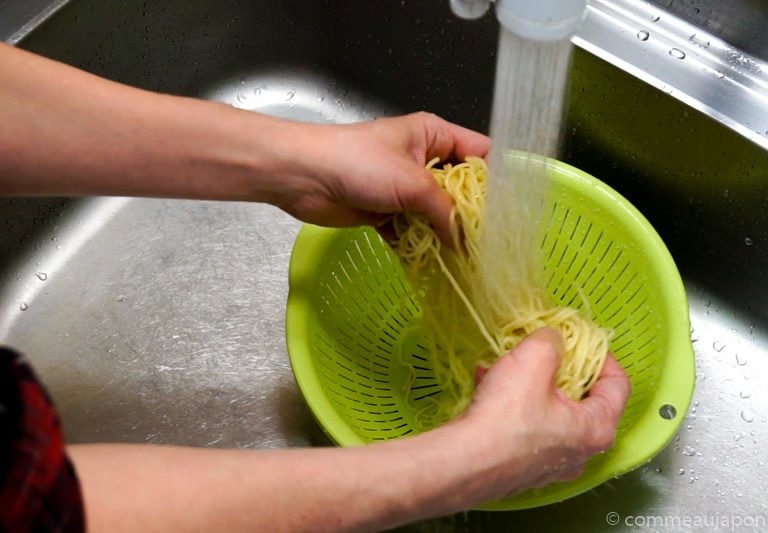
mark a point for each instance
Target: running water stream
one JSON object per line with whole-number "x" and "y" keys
{"x": 529, "y": 94}
{"x": 527, "y": 114}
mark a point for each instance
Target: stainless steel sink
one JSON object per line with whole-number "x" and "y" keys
{"x": 162, "y": 321}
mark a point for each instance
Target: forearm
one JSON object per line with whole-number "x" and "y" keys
{"x": 152, "y": 488}
{"x": 66, "y": 132}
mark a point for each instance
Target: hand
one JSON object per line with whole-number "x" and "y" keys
{"x": 529, "y": 433}
{"x": 362, "y": 173}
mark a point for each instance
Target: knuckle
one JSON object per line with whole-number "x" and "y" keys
{"x": 425, "y": 116}
{"x": 603, "y": 438}
{"x": 547, "y": 340}
{"x": 543, "y": 348}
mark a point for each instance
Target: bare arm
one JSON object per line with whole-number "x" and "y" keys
{"x": 520, "y": 432}
{"x": 158, "y": 488}
{"x": 69, "y": 133}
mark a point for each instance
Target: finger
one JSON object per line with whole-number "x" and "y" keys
{"x": 572, "y": 474}
{"x": 344, "y": 217}
{"x": 468, "y": 142}
{"x": 540, "y": 354}
{"x": 567, "y": 473}
{"x": 480, "y": 372}
{"x": 608, "y": 396}
{"x": 447, "y": 139}
{"x": 386, "y": 229}
{"x": 531, "y": 365}
{"x": 425, "y": 196}
{"x": 438, "y": 211}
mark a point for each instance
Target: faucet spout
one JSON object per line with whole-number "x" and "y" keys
{"x": 543, "y": 20}
{"x": 470, "y": 9}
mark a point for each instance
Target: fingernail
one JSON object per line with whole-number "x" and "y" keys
{"x": 480, "y": 373}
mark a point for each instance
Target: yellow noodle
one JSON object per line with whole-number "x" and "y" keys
{"x": 473, "y": 310}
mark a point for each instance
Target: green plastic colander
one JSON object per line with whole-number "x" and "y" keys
{"x": 351, "y": 316}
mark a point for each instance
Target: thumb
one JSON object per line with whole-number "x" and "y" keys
{"x": 531, "y": 365}
{"x": 423, "y": 195}
{"x": 608, "y": 396}
{"x": 538, "y": 355}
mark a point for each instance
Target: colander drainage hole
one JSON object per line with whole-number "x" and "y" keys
{"x": 667, "y": 411}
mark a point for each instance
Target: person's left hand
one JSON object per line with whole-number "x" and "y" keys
{"x": 363, "y": 173}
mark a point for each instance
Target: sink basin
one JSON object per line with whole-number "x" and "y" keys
{"x": 162, "y": 321}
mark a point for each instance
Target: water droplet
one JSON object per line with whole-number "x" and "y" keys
{"x": 241, "y": 97}
{"x": 121, "y": 298}
{"x": 659, "y": 470}
{"x": 738, "y": 436}
{"x": 745, "y": 394}
{"x": 655, "y": 18}
{"x": 681, "y": 472}
{"x": 719, "y": 346}
{"x": 741, "y": 361}
{"x": 701, "y": 42}
{"x": 289, "y": 95}
{"x": 747, "y": 241}
{"x": 689, "y": 451}
{"x": 676, "y": 53}
{"x": 42, "y": 276}
{"x": 719, "y": 75}
{"x": 643, "y": 35}
{"x": 747, "y": 416}
{"x": 23, "y": 306}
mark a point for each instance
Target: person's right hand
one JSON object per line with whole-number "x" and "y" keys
{"x": 528, "y": 433}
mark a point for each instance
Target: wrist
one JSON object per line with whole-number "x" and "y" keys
{"x": 239, "y": 155}
{"x": 493, "y": 462}
{"x": 467, "y": 466}
{"x": 275, "y": 160}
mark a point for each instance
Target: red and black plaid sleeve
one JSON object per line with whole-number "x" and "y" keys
{"x": 39, "y": 490}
